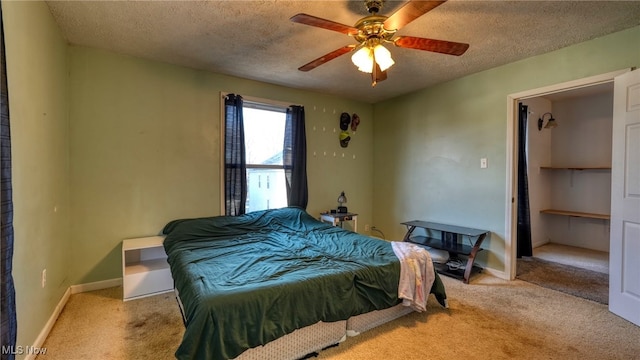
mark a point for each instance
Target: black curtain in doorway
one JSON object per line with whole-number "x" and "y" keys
{"x": 524, "y": 219}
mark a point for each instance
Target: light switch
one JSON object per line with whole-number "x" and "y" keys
{"x": 483, "y": 163}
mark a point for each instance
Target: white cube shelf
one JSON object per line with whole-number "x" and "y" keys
{"x": 145, "y": 270}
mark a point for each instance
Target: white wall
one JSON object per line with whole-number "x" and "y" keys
{"x": 583, "y": 138}
{"x": 538, "y": 154}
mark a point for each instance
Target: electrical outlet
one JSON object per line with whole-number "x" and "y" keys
{"x": 367, "y": 228}
{"x": 44, "y": 277}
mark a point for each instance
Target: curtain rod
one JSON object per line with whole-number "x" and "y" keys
{"x": 260, "y": 100}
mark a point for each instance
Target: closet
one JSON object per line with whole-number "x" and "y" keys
{"x": 569, "y": 167}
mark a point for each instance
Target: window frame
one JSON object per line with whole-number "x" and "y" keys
{"x": 248, "y": 102}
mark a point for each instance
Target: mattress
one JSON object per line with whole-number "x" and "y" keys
{"x": 246, "y": 281}
{"x": 311, "y": 339}
{"x": 296, "y": 345}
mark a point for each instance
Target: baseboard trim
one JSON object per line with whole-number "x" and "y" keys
{"x": 73, "y": 289}
{"x": 49, "y": 325}
{"x": 98, "y": 285}
{"x": 497, "y": 273}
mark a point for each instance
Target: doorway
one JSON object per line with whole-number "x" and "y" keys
{"x": 568, "y": 158}
{"x": 569, "y": 171}
{"x": 535, "y": 95}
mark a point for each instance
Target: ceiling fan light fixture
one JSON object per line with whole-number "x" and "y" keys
{"x": 366, "y": 55}
{"x": 383, "y": 57}
{"x": 363, "y": 59}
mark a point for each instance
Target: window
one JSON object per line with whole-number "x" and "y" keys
{"x": 265, "y": 156}
{"x": 264, "y": 139}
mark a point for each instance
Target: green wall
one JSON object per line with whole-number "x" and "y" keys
{"x": 118, "y": 146}
{"x": 145, "y": 149}
{"x": 428, "y": 144}
{"x": 107, "y": 147}
{"x": 38, "y": 104}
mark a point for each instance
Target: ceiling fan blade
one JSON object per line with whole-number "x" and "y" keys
{"x": 323, "y": 23}
{"x": 327, "y": 57}
{"x": 439, "y": 46}
{"x": 409, "y": 12}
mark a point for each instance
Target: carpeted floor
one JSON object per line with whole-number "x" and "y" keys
{"x": 99, "y": 325}
{"x": 575, "y": 256}
{"x": 487, "y": 319}
{"x": 587, "y": 284}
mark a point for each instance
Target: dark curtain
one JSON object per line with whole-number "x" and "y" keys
{"x": 295, "y": 157}
{"x": 235, "y": 163}
{"x": 524, "y": 220}
{"x": 8, "y": 311}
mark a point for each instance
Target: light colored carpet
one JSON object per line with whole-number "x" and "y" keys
{"x": 99, "y": 325}
{"x": 572, "y": 280}
{"x": 570, "y": 255}
{"x": 487, "y": 319}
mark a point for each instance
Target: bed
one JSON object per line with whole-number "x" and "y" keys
{"x": 246, "y": 281}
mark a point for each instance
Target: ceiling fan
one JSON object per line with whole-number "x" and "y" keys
{"x": 374, "y": 30}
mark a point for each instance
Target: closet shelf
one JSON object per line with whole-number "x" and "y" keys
{"x": 576, "y": 167}
{"x": 576, "y": 214}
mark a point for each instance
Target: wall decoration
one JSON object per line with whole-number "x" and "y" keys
{"x": 344, "y": 139}
{"x": 345, "y": 120}
{"x": 355, "y": 121}
{"x": 344, "y": 136}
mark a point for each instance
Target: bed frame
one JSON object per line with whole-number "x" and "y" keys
{"x": 309, "y": 340}
{"x": 312, "y": 339}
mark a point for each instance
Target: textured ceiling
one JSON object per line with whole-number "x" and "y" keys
{"x": 256, "y": 40}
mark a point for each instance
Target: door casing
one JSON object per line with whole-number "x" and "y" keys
{"x": 512, "y": 159}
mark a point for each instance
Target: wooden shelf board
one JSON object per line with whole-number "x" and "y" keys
{"x": 576, "y": 167}
{"x": 576, "y": 214}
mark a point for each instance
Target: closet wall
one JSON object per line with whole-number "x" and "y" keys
{"x": 570, "y": 168}
{"x": 538, "y": 154}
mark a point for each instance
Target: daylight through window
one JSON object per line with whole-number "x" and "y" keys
{"x": 264, "y": 138}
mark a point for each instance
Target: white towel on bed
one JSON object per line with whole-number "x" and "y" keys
{"x": 416, "y": 274}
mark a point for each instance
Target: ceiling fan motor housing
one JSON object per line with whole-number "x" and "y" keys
{"x": 372, "y": 26}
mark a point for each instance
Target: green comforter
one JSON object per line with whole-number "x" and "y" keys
{"x": 250, "y": 279}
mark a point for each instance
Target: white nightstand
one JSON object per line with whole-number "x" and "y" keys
{"x": 145, "y": 270}
{"x": 338, "y": 218}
